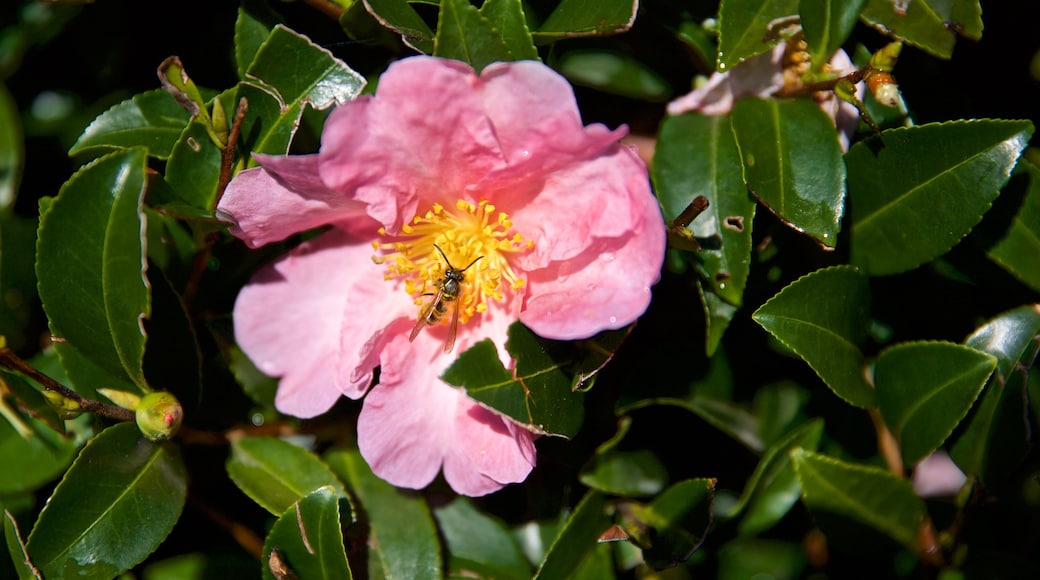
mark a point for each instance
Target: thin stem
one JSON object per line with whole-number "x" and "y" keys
{"x": 888, "y": 447}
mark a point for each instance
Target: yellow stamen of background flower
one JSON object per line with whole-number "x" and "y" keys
{"x": 465, "y": 233}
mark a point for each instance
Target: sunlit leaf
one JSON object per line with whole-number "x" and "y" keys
{"x": 478, "y": 542}
{"x": 924, "y": 389}
{"x": 573, "y": 18}
{"x": 576, "y": 540}
{"x": 403, "y": 539}
{"x": 827, "y": 24}
{"x": 823, "y": 318}
{"x": 902, "y": 219}
{"x": 463, "y": 33}
{"x": 927, "y": 24}
{"x": 12, "y": 150}
{"x": 868, "y": 495}
{"x": 507, "y": 16}
{"x": 252, "y": 27}
{"x": 115, "y": 505}
{"x": 744, "y": 28}
{"x": 793, "y": 163}
{"x": 153, "y": 120}
{"x": 309, "y": 539}
{"x": 1020, "y": 245}
{"x": 90, "y": 263}
{"x": 276, "y": 473}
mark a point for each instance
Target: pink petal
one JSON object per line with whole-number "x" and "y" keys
{"x": 608, "y": 286}
{"x": 283, "y": 197}
{"x": 758, "y": 76}
{"x": 424, "y": 137}
{"x": 938, "y": 476}
{"x": 412, "y": 423}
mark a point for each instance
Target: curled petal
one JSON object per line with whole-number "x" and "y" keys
{"x": 283, "y": 197}
{"x": 758, "y": 76}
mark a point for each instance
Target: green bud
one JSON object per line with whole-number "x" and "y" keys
{"x": 124, "y": 399}
{"x": 159, "y": 416}
{"x": 66, "y": 407}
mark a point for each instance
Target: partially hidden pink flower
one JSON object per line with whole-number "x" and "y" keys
{"x": 764, "y": 75}
{"x": 553, "y": 221}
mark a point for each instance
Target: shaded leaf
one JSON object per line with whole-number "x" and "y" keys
{"x": 33, "y": 458}
{"x": 823, "y": 317}
{"x": 614, "y": 72}
{"x": 576, "y": 540}
{"x": 865, "y": 494}
{"x": 17, "y": 278}
{"x": 153, "y": 120}
{"x": 629, "y": 473}
{"x": 90, "y": 263}
{"x": 399, "y": 16}
{"x": 902, "y": 219}
{"x": 924, "y": 389}
{"x": 16, "y": 549}
{"x": 675, "y": 523}
{"x": 538, "y": 393}
{"x": 115, "y": 505}
{"x": 927, "y": 24}
{"x": 276, "y": 473}
{"x": 760, "y": 557}
{"x": 465, "y": 34}
{"x": 803, "y": 184}
{"x": 12, "y": 150}
{"x": 773, "y": 488}
{"x": 1016, "y": 252}
{"x": 478, "y": 543}
{"x": 744, "y": 28}
{"x": 573, "y": 18}
{"x": 403, "y": 541}
{"x": 309, "y": 539}
{"x": 827, "y": 24}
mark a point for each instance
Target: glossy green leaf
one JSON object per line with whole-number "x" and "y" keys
{"x": 1017, "y": 250}
{"x": 573, "y": 18}
{"x": 479, "y": 543}
{"x": 576, "y": 539}
{"x": 868, "y": 495}
{"x": 744, "y": 28}
{"x": 924, "y": 389}
{"x": 90, "y": 263}
{"x": 537, "y": 393}
{"x": 613, "y": 72}
{"x": 998, "y": 433}
{"x": 252, "y": 27}
{"x": 507, "y": 16}
{"x": 16, "y": 550}
{"x": 403, "y": 540}
{"x": 793, "y": 163}
{"x": 827, "y": 24}
{"x": 823, "y": 317}
{"x": 153, "y": 120}
{"x": 675, "y": 522}
{"x": 309, "y": 539}
{"x": 399, "y": 16}
{"x": 697, "y": 155}
{"x": 269, "y": 127}
{"x": 773, "y": 488}
{"x": 194, "y": 167}
{"x": 902, "y": 219}
{"x": 927, "y": 24}
{"x": 628, "y": 473}
{"x": 276, "y": 473}
{"x": 115, "y": 505}
{"x": 464, "y": 34}
{"x": 12, "y": 150}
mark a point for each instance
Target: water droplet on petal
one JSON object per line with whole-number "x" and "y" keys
{"x": 608, "y": 257}
{"x": 613, "y": 319}
{"x": 525, "y": 153}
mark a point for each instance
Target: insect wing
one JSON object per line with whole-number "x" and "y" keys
{"x": 424, "y": 316}
{"x": 449, "y": 341}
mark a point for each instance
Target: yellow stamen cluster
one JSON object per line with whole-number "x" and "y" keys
{"x": 466, "y": 233}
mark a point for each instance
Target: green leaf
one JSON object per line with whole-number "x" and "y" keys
{"x": 573, "y": 18}
{"x": 673, "y": 525}
{"x": 507, "y": 16}
{"x": 399, "y": 16}
{"x": 629, "y": 473}
{"x": 773, "y": 488}
{"x": 153, "y": 120}
{"x": 12, "y": 150}
{"x": 762, "y": 558}
{"x": 537, "y": 393}
{"x": 868, "y": 495}
{"x": 744, "y": 28}
{"x": 823, "y": 318}
{"x": 17, "y": 278}
{"x": 793, "y": 164}
{"x": 997, "y": 436}
{"x": 276, "y": 473}
{"x": 309, "y": 539}
{"x": 903, "y": 217}
{"x": 115, "y": 505}
{"x": 576, "y": 540}
{"x": 16, "y": 549}
{"x": 1017, "y": 250}
{"x": 926, "y": 24}
{"x": 827, "y": 24}
{"x": 479, "y": 543}
{"x": 614, "y": 72}
{"x": 697, "y": 155}
{"x": 32, "y": 459}
{"x": 90, "y": 263}
{"x": 252, "y": 27}
{"x": 464, "y": 34}
{"x": 924, "y": 389}
{"x": 403, "y": 539}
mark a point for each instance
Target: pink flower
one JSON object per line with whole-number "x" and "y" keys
{"x": 762, "y": 76}
{"x": 559, "y": 218}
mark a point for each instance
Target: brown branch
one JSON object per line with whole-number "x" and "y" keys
{"x": 327, "y": 8}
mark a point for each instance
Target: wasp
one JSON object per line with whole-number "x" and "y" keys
{"x": 446, "y": 297}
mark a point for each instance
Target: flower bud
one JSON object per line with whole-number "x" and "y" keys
{"x": 159, "y": 416}
{"x": 884, "y": 88}
{"x": 124, "y": 399}
{"x": 66, "y": 407}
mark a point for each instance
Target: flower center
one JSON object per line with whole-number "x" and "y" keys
{"x": 475, "y": 240}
